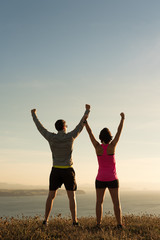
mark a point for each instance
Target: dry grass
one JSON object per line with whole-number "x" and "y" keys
{"x": 27, "y": 228}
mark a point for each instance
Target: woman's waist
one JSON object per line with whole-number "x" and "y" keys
{"x": 108, "y": 168}
{"x": 107, "y": 171}
{"x": 107, "y": 176}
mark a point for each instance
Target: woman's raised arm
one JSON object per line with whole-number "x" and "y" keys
{"x": 92, "y": 138}
{"x": 119, "y": 130}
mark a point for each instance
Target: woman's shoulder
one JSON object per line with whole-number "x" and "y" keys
{"x": 99, "y": 149}
{"x": 110, "y": 149}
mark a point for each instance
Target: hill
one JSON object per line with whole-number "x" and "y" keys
{"x": 136, "y": 228}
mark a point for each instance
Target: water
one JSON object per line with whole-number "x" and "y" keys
{"x": 137, "y": 203}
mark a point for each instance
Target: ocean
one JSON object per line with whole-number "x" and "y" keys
{"x": 136, "y": 203}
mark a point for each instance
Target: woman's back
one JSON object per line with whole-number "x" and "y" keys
{"x": 107, "y": 166}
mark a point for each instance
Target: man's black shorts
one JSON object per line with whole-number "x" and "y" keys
{"x": 61, "y": 176}
{"x": 107, "y": 184}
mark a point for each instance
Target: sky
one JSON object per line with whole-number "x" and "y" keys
{"x": 56, "y": 56}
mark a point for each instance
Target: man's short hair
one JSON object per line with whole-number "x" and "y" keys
{"x": 59, "y": 125}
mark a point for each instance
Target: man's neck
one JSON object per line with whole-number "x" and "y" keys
{"x": 62, "y": 131}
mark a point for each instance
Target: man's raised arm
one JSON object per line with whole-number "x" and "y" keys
{"x": 39, "y": 126}
{"x": 80, "y": 126}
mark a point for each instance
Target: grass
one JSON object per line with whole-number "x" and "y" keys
{"x": 146, "y": 227}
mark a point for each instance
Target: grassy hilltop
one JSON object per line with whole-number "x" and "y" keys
{"x": 27, "y": 228}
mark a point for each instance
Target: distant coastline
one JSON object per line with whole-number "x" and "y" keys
{"x": 31, "y": 192}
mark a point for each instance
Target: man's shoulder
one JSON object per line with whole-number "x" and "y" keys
{"x": 61, "y": 138}
{"x": 62, "y": 135}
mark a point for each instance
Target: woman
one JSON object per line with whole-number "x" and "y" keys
{"x": 107, "y": 176}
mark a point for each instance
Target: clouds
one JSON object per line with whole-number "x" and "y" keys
{"x": 139, "y": 170}
{"x": 12, "y": 156}
{"x": 24, "y": 167}
{"x": 56, "y": 56}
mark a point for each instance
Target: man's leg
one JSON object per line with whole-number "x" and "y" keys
{"x": 100, "y": 192}
{"x": 72, "y": 204}
{"x": 114, "y": 192}
{"x": 49, "y": 203}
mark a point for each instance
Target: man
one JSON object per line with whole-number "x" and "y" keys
{"x": 61, "y": 145}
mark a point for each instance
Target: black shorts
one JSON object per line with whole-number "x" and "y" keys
{"x": 107, "y": 184}
{"x": 61, "y": 176}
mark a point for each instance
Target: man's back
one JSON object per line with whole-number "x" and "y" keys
{"x": 61, "y": 144}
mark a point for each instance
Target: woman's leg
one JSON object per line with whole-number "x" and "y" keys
{"x": 114, "y": 192}
{"x": 100, "y": 192}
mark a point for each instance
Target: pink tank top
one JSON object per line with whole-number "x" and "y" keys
{"x": 107, "y": 166}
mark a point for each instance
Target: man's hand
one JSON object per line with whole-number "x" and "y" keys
{"x": 88, "y": 107}
{"x": 86, "y": 115}
{"x": 122, "y": 115}
{"x": 33, "y": 111}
